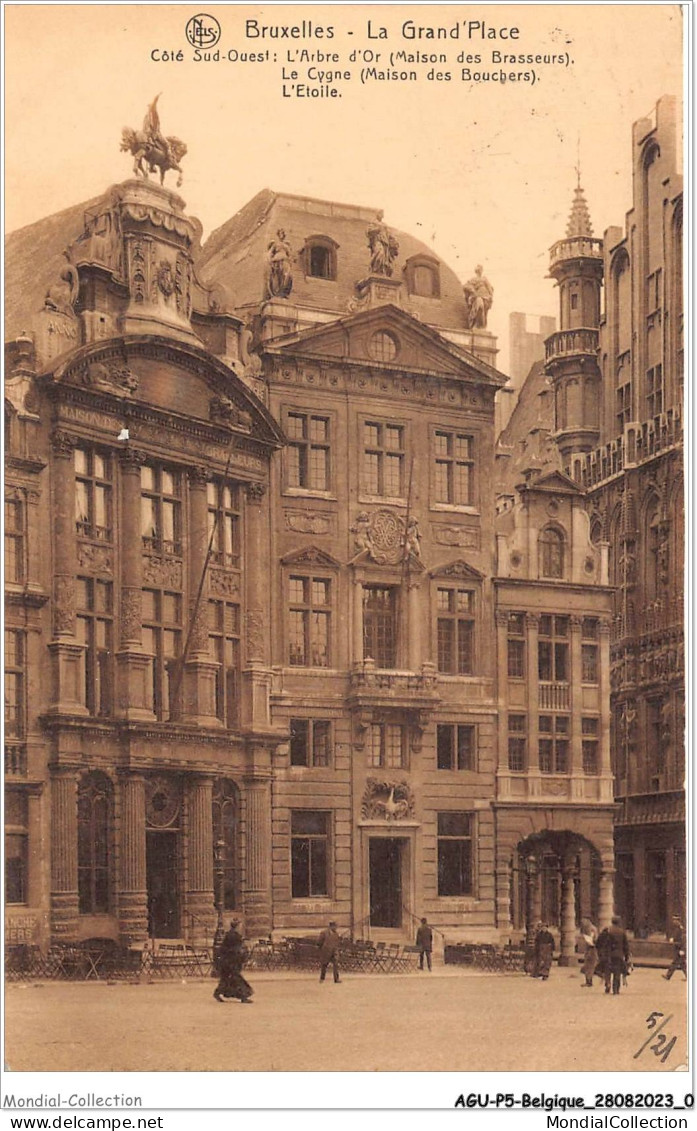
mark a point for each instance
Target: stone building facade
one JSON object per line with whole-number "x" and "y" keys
{"x": 259, "y": 600}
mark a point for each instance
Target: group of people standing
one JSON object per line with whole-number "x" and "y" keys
{"x": 606, "y": 954}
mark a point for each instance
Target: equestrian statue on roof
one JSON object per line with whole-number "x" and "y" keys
{"x": 151, "y": 149}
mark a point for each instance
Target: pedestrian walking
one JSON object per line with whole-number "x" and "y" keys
{"x": 589, "y": 934}
{"x": 424, "y": 941}
{"x": 230, "y": 960}
{"x": 613, "y": 953}
{"x": 329, "y": 952}
{"x": 679, "y": 942}
{"x": 544, "y": 952}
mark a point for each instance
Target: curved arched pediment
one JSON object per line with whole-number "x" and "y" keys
{"x": 459, "y": 569}
{"x": 176, "y": 377}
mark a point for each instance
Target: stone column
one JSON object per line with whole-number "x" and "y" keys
{"x": 132, "y": 889}
{"x": 576, "y": 689}
{"x": 257, "y": 898}
{"x": 605, "y": 711}
{"x": 357, "y": 623}
{"x": 414, "y": 624}
{"x": 256, "y": 677}
{"x": 503, "y": 895}
{"x": 134, "y": 666}
{"x": 68, "y": 692}
{"x": 200, "y": 894}
{"x": 606, "y": 896}
{"x": 64, "y": 893}
{"x": 568, "y": 914}
{"x": 197, "y": 682}
{"x": 532, "y": 622}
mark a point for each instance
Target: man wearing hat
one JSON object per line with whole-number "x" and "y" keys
{"x": 231, "y": 958}
{"x": 329, "y": 951}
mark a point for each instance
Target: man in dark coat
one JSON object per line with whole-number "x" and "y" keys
{"x": 424, "y": 941}
{"x": 544, "y": 952}
{"x": 613, "y": 952}
{"x": 329, "y": 952}
{"x": 679, "y": 950}
{"x": 231, "y": 957}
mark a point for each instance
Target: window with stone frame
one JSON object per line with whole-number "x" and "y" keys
{"x": 453, "y": 467}
{"x": 93, "y": 494}
{"x": 517, "y": 743}
{"x": 309, "y": 853}
{"x": 654, "y": 391}
{"x": 94, "y": 815}
{"x": 309, "y": 621}
{"x": 14, "y": 541}
{"x": 162, "y": 639}
{"x": 589, "y": 745}
{"x": 456, "y": 746}
{"x": 94, "y": 630}
{"x": 16, "y": 846}
{"x": 308, "y": 453}
{"x": 423, "y": 276}
{"x": 319, "y": 257}
{"x": 224, "y": 519}
{"x": 161, "y": 509}
{"x": 589, "y": 650}
{"x": 224, "y": 646}
{"x": 516, "y": 645}
{"x": 388, "y": 746}
{"x": 384, "y": 458}
{"x": 553, "y": 744}
{"x": 623, "y": 405}
{"x": 225, "y": 824}
{"x": 455, "y": 629}
{"x": 380, "y": 625}
{"x": 551, "y": 553}
{"x": 553, "y": 649}
{"x": 310, "y": 742}
{"x": 15, "y": 659}
{"x": 455, "y": 853}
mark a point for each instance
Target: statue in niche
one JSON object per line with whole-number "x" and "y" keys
{"x": 384, "y": 248}
{"x": 412, "y": 539}
{"x": 280, "y": 282}
{"x": 479, "y": 296}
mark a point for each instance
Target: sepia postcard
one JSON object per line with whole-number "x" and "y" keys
{"x": 344, "y": 562}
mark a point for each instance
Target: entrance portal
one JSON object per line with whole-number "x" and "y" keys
{"x": 385, "y": 882}
{"x": 163, "y": 884}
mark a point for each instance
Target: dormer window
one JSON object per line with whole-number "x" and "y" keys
{"x": 319, "y": 255}
{"x": 423, "y": 276}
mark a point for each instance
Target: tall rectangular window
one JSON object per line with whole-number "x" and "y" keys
{"x": 623, "y": 402}
{"x": 516, "y": 645}
{"x": 553, "y": 649}
{"x": 589, "y": 745}
{"x": 14, "y": 541}
{"x": 380, "y": 625}
{"x": 455, "y": 629}
{"x": 93, "y": 494}
{"x": 455, "y": 858}
{"x": 387, "y": 746}
{"x": 309, "y": 626}
{"x": 161, "y": 510}
{"x": 309, "y": 853}
{"x": 456, "y": 746}
{"x": 224, "y": 641}
{"x": 589, "y": 650}
{"x": 554, "y": 744}
{"x": 162, "y": 637}
{"x": 454, "y": 468}
{"x": 383, "y": 459}
{"x": 14, "y": 683}
{"x": 517, "y": 743}
{"x": 308, "y": 452}
{"x": 310, "y": 742}
{"x": 224, "y": 523}
{"x": 16, "y": 847}
{"x": 94, "y": 630}
{"x": 654, "y": 390}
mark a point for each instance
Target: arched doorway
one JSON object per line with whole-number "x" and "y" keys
{"x": 162, "y": 853}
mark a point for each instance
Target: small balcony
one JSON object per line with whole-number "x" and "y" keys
{"x": 554, "y": 696}
{"x": 571, "y": 343}
{"x": 575, "y": 247}
{"x": 15, "y": 759}
{"x": 371, "y": 686}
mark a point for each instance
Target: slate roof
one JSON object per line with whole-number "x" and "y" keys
{"x": 523, "y": 441}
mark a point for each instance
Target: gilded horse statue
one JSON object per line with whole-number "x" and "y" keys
{"x": 151, "y": 150}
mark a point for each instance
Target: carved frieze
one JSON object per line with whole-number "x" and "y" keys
{"x": 465, "y": 536}
{"x": 95, "y": 559}
{"x": 63, "y": 605}
{"x": 131, "y": 614}
{"x": 255, "y": 634}
{"x": 223, "y": 584}
{"x": 308, "y": 522}
{"x": 162, "y": 571}
{"x": 109, "y": 376}
{"x": 387, "y": 800}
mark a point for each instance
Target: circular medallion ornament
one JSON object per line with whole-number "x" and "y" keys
{"x": 165, "y": 278}
{"x": 386, "y": 536}
{"x": 162, "y": 803}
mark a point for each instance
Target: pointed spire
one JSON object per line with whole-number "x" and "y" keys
{"x": 579, "y": 218}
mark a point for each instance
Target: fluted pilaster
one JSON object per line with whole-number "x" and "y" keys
{"x": 568, "y": 916}
{"x": 258, "y": 857}
{"x": 64, "y": 892}
{"x": 132, "y": 893}
{"x": 200, "y": 894}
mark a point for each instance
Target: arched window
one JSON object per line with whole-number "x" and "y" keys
{"x": 551, "y": 551}
{"x": 94, "y": 809}
{"x": 423, "y": 276}
{"x": 225, "y": 815}
{"x": 319, "y": 255}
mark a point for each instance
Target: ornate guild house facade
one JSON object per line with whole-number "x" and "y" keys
{"x": 275, "y": 639}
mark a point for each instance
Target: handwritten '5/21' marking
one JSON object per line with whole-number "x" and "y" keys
{"x": 661, "y": 1046}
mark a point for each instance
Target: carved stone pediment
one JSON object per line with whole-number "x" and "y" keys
{"x": 311, "y": 555}
{"x": 387, "y": 800}
{"x": 459, "y": 569}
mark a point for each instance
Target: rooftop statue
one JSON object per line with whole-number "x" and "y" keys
{"x": 384, "y": 248}
{"x": 479, "y": 296}
{"x": 280, "y": 278}
{"x": 151, "y": 149}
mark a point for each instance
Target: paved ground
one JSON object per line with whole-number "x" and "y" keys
{"x": 452, "y": 1020}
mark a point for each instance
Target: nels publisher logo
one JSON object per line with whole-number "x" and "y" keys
{"x": 203, "y": 31}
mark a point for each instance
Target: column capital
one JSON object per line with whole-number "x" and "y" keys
{"x": 63, "y": 443}
{"x": 532, "y": 620}
{"x": 576, "y": 623}
{"x": 255, "y": 493}
{"x": 131, "y": 459}
{"x": 604, "y": 625}
{"x": 501, "y": 618}
{"x": 198, "y": 476}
